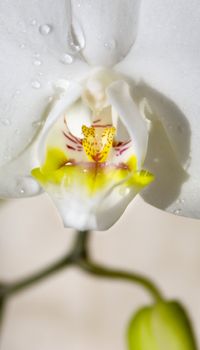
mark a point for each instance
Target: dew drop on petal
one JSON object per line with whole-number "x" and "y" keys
{"x": 180, "y": 201}
{"x": 37, "y": 123}
{"x": 75, "y": 38}
{"x": 74, "y": 46}
{"x": 7, "y": 157}
{"x": 33, "y": 22}
{"x": 17, "y": 92}
{"x": 124, "y": 191}
{"x": 110, "y": 45}
{"x": 37, "y": 62}
{"x": 17, "y": 131}
{"x": 35, "y": 84}
{"x": 5, "y": 121}
{"x": 36, "y": 54}
{"x": 21, "y": 190}
{"x": 177, "y": 211}
{"x": 156, "y": 160}
{"x": 22, "y": 46}
{"x": 67, "y": 59}
{"x": 45, "y": 29}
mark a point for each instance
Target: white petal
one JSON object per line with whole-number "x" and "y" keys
{"x": 97, "y": 213}
{"x": 60, "y": 105}
{"x": 30, "y": 64}
{"x": 120, "y": 98}
{"x": 109, "y": 27}
{"x": 113, "y": 206}
{"x": 166, "y": 58}
{"x": 77, "y": 116}
{"x": 15, "y": 178}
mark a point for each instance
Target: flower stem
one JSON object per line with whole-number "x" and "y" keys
{"x": 15, "y": 287}
{"x": 105, "y": 272}
{"x": 78, "y": 256}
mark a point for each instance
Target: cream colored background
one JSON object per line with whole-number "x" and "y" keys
{"x": 77, "y": 312}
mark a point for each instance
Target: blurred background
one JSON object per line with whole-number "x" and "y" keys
{"x": 72, "y": 310}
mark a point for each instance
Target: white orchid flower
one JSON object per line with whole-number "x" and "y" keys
{"x": 51, "y": 115}
{"x": 91, "y": 150}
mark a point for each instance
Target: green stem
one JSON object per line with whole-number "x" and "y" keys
{"x": 105, "y": 272}
{"x": 81, "y": 245}
{"x": 15, "y": 287}
{"x": 79, "y": 251}
{"x": 79, "y": 257}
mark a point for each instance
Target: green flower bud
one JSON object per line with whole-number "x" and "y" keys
{"x": 162, "y": 326}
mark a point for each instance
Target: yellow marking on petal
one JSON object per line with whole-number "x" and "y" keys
{"x": 57, "y": 170}
{"x": 55, "y": 158}
{"x": 97, "y": 144}
{"x": 140, "y": 179}
{"x": 132, "y": 163}
{"x": 37, "y": 174}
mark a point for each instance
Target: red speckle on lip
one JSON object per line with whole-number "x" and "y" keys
{"x": 70, "y": 147}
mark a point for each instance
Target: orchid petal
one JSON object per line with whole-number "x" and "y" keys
{"x": 166, "y": 60}
{"x": 120, "y": 98}
{"x": 33, "y": 42}
{"x": 109, "y": 27}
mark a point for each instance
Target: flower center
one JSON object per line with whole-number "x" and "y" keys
{"x": 97, "y": 143}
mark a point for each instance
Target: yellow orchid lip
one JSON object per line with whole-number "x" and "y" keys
{"x": 91, "y": 176}
{"x": 94, "y": 163}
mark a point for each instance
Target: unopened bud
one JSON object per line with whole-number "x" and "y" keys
{"x": 162, "y": 326}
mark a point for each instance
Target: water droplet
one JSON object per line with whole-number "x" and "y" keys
{"x": 36, "y": 54}
{"x": 76, "y": 39}
{"x": 67, "y": 59}
{"x": 17, "y": 92}
{"x": 180, "y": 201}
{"x": 26, "y": 186}
{"x": 124, "y": 191}
{"x": 37, "y": 123}
{"x": 22, "y": 46}
{"x": 7, "y": 157}
{"x": 37, "y": 62}
{"x": 5, "y": 121}
{"x": 177, "y": 211}
{"x": 75, "y": 47}
{"x": 110, "y": 45}
{"x": 17, "y": 131}
{"x": 50, "y": 99}
{"x": 79, "y": 5}
{"x": 156, "y": 160}
{"x": 34, "y": 22}
{"x": 35, "y": 84}
{"x": 45, "y": 29}
{"x": 21, "y": 190}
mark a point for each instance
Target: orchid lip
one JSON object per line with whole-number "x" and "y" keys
{"x": 97, "y": 165}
